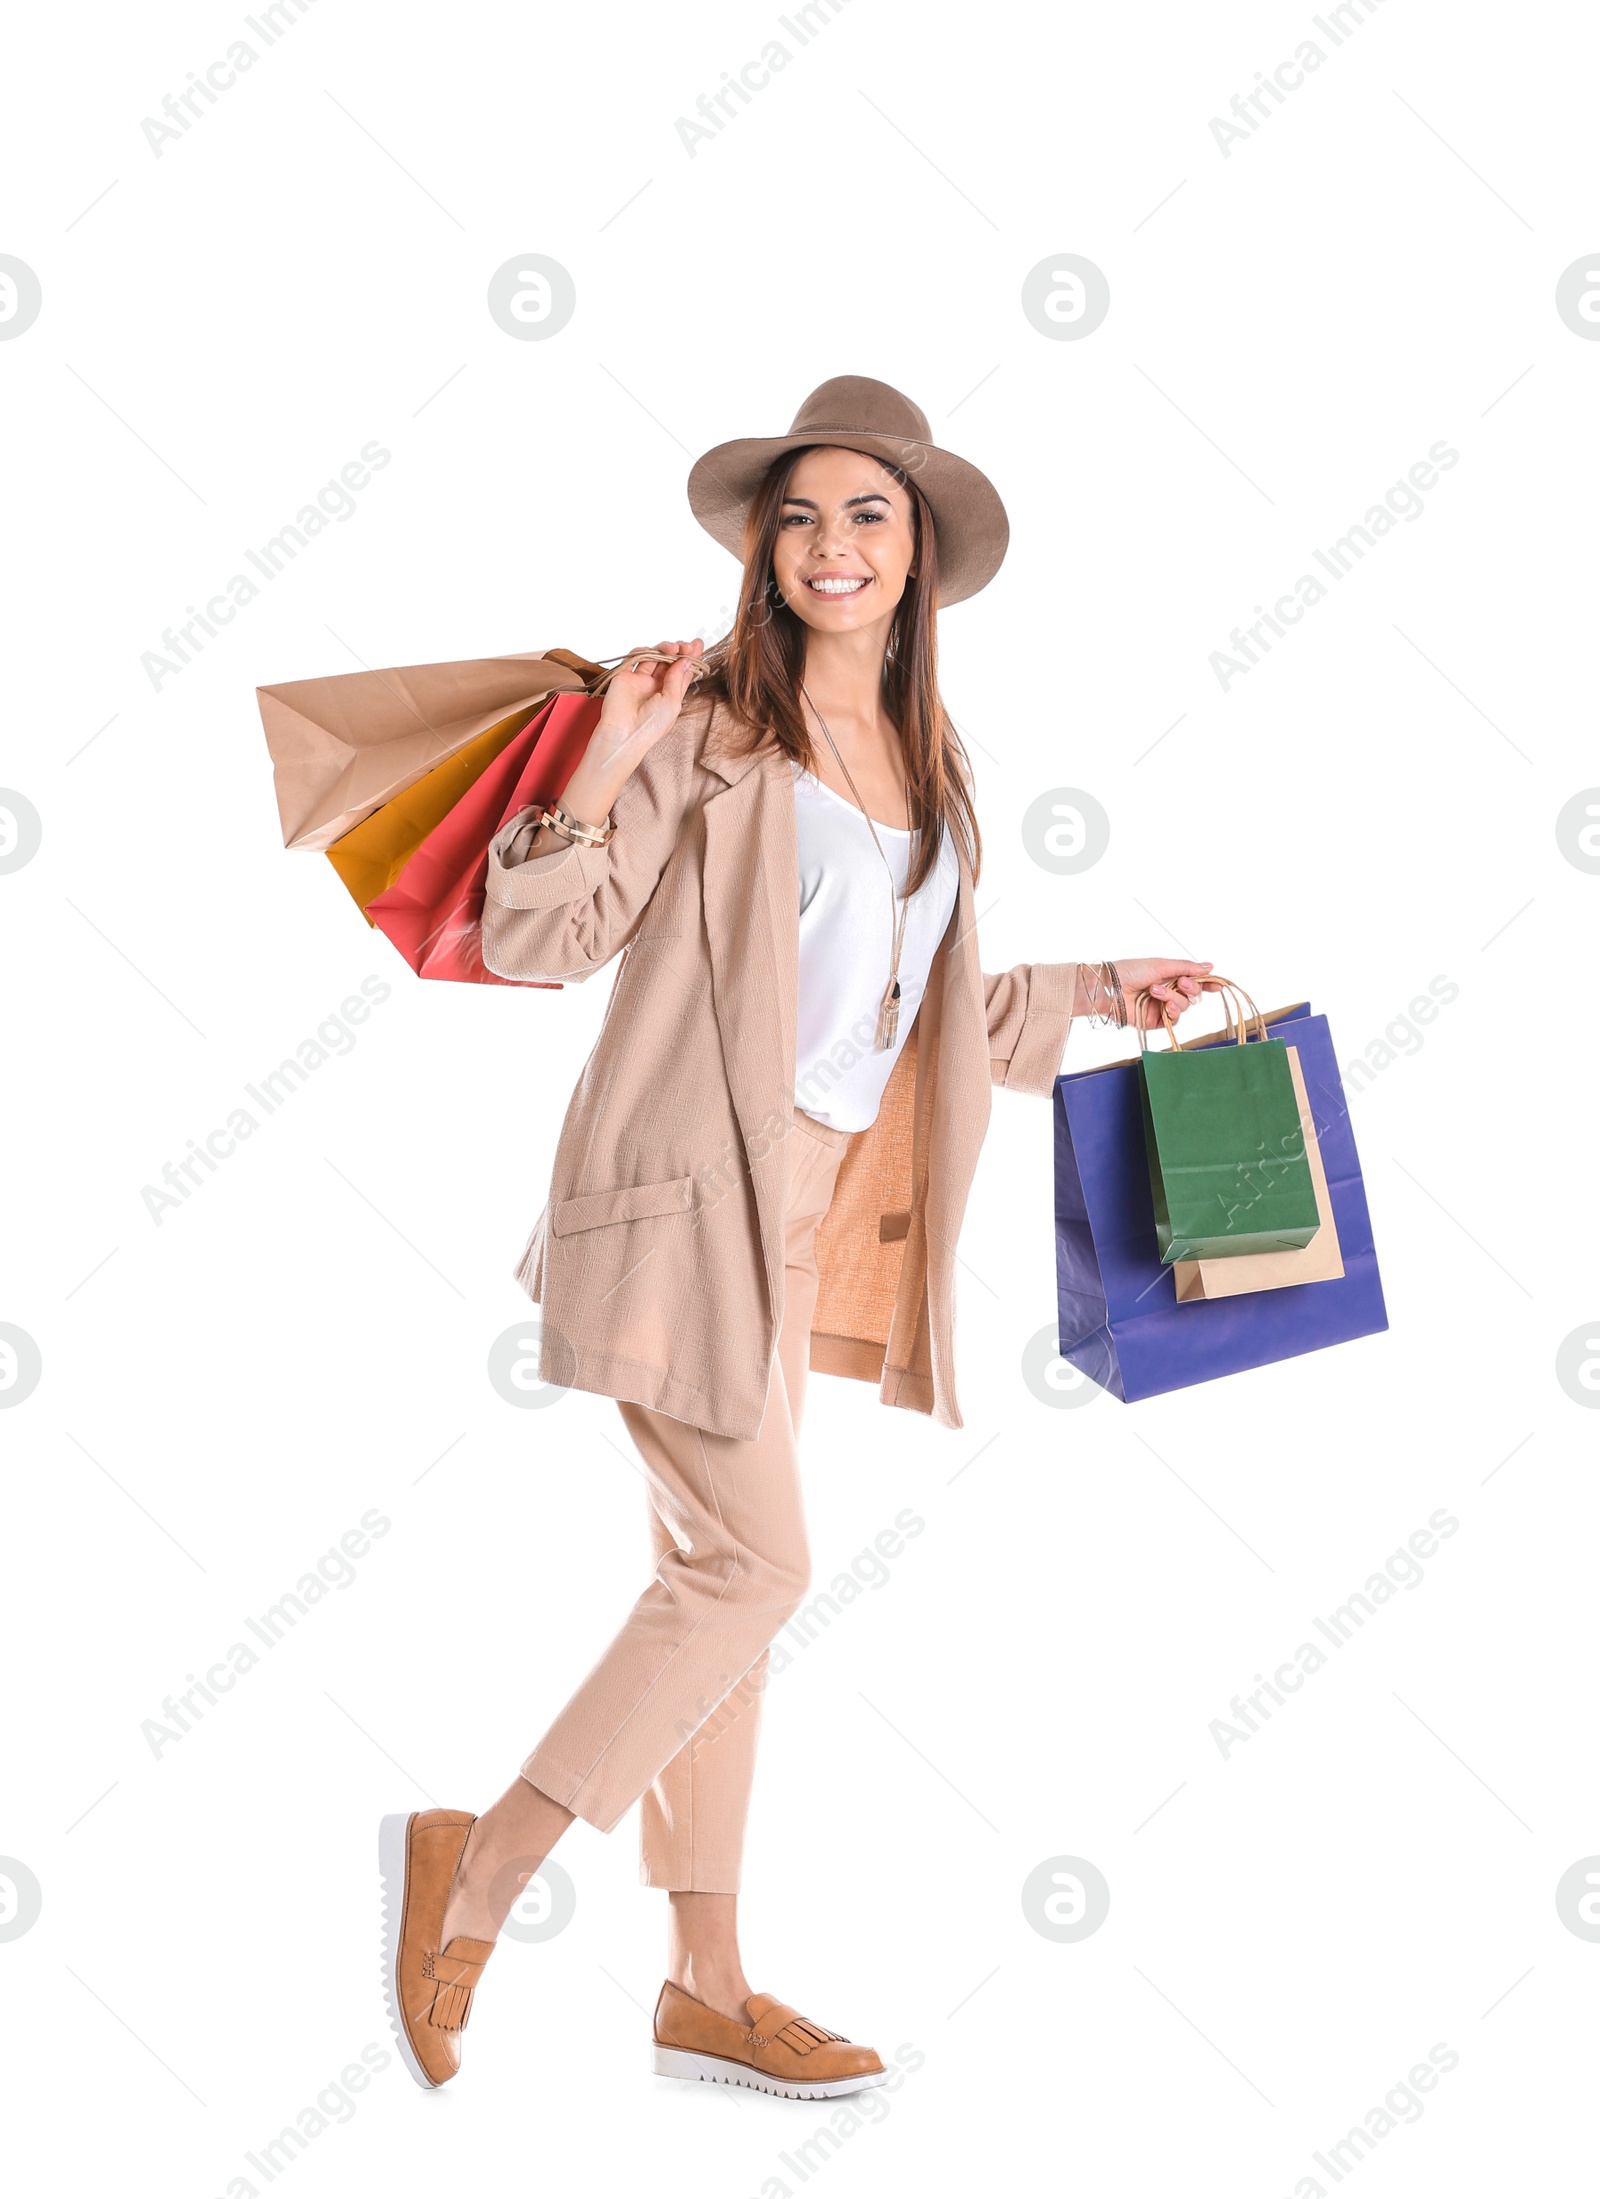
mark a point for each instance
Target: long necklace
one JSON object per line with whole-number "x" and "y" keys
{"x": 888, "y": 1029}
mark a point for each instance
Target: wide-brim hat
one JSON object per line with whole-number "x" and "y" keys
{"x": 860, "y": 414}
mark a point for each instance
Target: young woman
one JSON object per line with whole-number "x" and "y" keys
{"x": 763, "y": 1167}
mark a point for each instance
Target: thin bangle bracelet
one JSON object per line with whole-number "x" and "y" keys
{"x": 572, "y": 829}
{"x": 1104, "y": 1001}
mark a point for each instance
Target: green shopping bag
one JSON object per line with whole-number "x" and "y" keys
{"x": 1228, "y": 1167}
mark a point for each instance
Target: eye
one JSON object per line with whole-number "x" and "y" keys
{"x": 794, "y": 519}
{"x": 878, "y": 516}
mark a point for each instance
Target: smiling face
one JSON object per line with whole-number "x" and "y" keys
{"x": 845, "y": 541}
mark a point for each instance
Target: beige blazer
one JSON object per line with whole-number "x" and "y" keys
{"x": 659, "y": 1258}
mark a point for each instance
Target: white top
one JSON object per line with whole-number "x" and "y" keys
{"x": 847, "y": 947}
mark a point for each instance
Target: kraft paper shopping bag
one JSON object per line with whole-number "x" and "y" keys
{"x": 1318, "y": 1262}
{"x": 343, "y": 745}
{"x": 1119, "y": 1319}
{"x": 1228, "y": 1169}
{"x": 370, "y": 858}
{"x": 433, "y": 910}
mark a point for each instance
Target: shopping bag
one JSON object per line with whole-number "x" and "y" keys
{"x": 371, "y": 857}
{"x": 433, "y": 911}
{"x": 343, "y": 745}
{"x": 1227, "y": 1160}
{"x": 1119, "y": 1318}
{"x": 1318, "y": 1262}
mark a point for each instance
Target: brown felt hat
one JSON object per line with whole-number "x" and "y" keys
{"x": 860, "y": 414}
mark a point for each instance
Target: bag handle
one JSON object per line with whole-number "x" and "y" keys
{"x": 635, "y": 657}
{"x": 1237, "y": 1025}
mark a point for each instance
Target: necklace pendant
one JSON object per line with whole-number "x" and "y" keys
{"x": 888, "y": 1017}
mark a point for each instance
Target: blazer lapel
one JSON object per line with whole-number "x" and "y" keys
{"x": 947, "y": 1131}
{"x": 752, "y": 896}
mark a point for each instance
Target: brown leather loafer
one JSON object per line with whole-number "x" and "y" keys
{"x": 779, "y": 2050}
{"x": 429, "y": 1990}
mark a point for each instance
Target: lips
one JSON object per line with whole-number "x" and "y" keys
{"x": 837, "y": 584}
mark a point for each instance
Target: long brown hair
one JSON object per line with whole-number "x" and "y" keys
{"x": 756, "y": 669}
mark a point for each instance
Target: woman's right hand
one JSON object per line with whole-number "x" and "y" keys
{"x": 640, "y": 707}
{"x": 640, "y": 704}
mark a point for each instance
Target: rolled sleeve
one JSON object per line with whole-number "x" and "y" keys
{"x": 1030, "y": 1013}
{"x": 558, "y": 918}
{"x": 515, "y": 881}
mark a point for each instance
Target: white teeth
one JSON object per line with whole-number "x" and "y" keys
{"x": 835, "y": 587}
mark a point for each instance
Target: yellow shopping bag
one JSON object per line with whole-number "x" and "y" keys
{"x": 371, "y": 858}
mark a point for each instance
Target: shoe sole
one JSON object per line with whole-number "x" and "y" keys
{"x": 676, "y": 2061}
{"x": 392, "y": 1833}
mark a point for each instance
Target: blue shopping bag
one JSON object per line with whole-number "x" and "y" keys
{"x": 1120, "y": 1320}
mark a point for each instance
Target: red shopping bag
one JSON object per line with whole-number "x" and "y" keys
{"x": 433, "y": 911}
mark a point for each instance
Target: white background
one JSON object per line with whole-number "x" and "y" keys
{"x": 223, "y": 1395}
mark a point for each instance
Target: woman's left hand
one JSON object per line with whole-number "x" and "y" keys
{"x": 1181, "y": 983}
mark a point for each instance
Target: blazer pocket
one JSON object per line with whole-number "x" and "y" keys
{"x": 626, "y": 1203}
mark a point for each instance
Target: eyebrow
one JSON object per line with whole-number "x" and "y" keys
{"x": 869, "y": 496}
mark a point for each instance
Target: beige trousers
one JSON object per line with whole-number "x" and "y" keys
{"x": 672, "y": 1710}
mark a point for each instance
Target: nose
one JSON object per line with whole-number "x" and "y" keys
{"x": 833, "y": 538}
